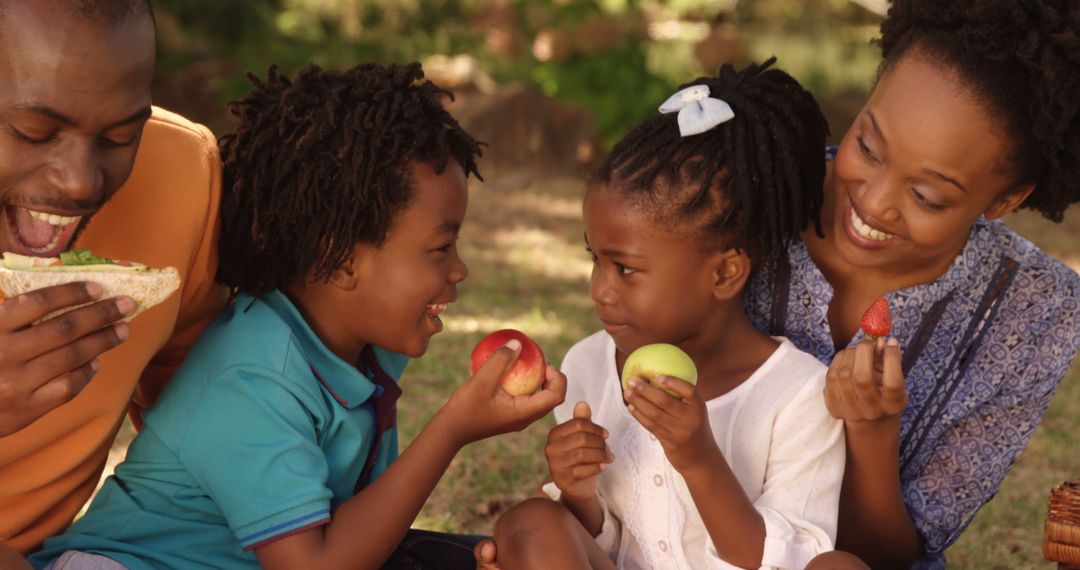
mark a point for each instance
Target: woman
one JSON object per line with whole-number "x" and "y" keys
{"x": 975, "y": 113}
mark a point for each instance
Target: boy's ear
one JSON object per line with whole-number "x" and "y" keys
{"x": 731, "y": 269}
{"x": 348, "y": 274}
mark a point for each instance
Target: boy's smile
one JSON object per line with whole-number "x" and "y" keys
{"x": 433, "y": 311}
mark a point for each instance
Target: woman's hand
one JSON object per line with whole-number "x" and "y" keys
{"x": 577, "y": 453}
{"x": 681, "y": 425}
{"x": 479, "y": 408}
{"x": 865, "y": 383}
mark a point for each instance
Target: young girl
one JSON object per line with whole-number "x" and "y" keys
{"x": 743, "y": 469}
{"x": 276, "y": 445}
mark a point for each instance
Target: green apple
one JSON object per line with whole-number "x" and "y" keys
{"x": 661, "y": 359}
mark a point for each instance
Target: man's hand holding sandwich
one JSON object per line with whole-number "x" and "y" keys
{"x": 57, "y": 316}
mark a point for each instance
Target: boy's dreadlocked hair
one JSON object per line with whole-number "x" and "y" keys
{"x": 320, "y": 164}
{"x": 1021, "y": 58}
{"x": 753, "y": 182}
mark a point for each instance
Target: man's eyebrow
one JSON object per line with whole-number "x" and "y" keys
{"x": 48, "y": 112}
{"x": 138, "y": 116}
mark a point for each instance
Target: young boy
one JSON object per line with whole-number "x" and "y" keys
{"x": 275, "y": 444}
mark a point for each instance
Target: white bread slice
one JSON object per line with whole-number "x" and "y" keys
{"x": 147, "y": 287}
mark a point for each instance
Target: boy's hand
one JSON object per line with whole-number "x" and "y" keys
{"x": 865, "y": 383}
{"x": 45, "y": 365}
{"x": 682, "y": 426}
{"x": 577, "y": 453}
{"x": 479, "y": 408}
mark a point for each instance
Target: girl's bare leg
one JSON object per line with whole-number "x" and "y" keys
{"x": 543, "y": 534}
{"x": 837, "y": 560}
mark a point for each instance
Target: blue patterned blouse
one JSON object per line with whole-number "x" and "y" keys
{"x": 985, "y": 347}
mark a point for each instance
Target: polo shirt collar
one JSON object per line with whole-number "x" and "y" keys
{"x": 342, "y": 380}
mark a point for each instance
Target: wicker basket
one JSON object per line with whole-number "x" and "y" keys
{"x": 1062, "y": 542}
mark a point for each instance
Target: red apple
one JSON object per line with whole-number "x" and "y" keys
{"x": 526, "y": 375}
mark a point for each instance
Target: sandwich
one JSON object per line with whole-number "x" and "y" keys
{"x": 147, "y": 286}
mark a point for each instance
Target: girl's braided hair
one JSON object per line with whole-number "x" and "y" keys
{"x": 753, "y": 182}
{"x": 1021, "y": 59}
{"x": 319, "y": 164}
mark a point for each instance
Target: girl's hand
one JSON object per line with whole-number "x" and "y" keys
{"x": 577, "y": 453}
{"x": 682, "y": 426}
{"x": 479, "y": 408}
{"x": 486, "y": 556}
{"x": 865, "y": 384}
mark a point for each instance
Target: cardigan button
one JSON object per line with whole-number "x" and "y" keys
{"x": 663, "y": 546}
{"x": 658, "y": 480}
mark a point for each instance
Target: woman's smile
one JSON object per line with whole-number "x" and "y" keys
{"x": 864, "y": 233}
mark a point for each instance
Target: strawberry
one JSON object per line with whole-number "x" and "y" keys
{"x": 876, "y": 322}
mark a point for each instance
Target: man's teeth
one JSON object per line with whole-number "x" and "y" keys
{"x": 53, "y": 219}
{"x": 866, "y": 231}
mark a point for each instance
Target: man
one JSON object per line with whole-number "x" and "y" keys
{"x": 85, "y": 161}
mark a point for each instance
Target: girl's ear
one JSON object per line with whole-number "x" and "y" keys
{"x": 1009, "y": 201}
{"x": 731, "y": 269}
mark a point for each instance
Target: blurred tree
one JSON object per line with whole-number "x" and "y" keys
{"x": 617, "y": 58}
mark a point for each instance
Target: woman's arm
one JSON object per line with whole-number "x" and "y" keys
{"x": 865, "y": 388}
{"x": 874, "y": 521}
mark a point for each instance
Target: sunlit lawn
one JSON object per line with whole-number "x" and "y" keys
{"x": 529, "y": 270}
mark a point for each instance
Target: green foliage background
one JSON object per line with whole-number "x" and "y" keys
{"x": 621, "y": 79}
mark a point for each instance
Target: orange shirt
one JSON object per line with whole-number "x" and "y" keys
{"x": 165, "y": 214}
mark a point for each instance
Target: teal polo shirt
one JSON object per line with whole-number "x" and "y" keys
{"x": 261, "y": 434}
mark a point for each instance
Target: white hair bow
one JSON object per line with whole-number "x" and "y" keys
{"x": 697, "y": 111}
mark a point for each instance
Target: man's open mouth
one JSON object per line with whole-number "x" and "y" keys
{"x": 40, "y": 233}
